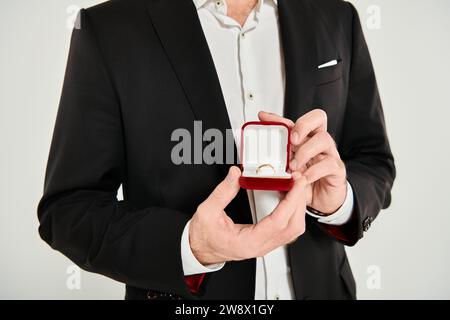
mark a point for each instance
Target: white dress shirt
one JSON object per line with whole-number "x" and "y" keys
{"x": 249, "y": 63}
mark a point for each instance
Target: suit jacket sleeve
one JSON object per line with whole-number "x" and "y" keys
{"x": 364, "y": 146}
{"x": 79, "y": 213}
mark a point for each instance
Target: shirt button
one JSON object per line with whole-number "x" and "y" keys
{"x": 243, "y": 35}
{"x": 218, "y": 3}
{"x": 277, "y": 297}
{"x": 250, "y": 96}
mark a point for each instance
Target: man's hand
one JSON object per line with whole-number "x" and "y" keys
{"x": 215, "y": 238}
{"x": 314, "y": 155}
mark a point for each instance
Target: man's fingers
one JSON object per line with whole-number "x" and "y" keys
{"x": 279, "y": 219}
{"x": 326, "y": 167}
{"x": 276, "y": 229}
{"x": 225, "y": 192}
{"x": 285, "y": 223}
{"x": 299, "y": 186}
{"x": 267, "y": 116}
{"x": 311, "y": 122}
{"x": 321, "y": 142}
{"x": 295, "y": 229}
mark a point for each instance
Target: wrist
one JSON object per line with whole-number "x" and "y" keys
{"x": 191, "y": 265}
{"x": 341, "y": 216}
{"x": 199, "y": 249}
{"x": 331, "y": 204}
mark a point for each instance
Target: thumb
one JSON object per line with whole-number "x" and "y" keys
{"x": 225, "y": 191}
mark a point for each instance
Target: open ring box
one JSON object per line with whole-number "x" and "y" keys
{"x": 265, "y": 149}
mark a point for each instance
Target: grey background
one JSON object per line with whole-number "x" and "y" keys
{"x": 409, "y": 242}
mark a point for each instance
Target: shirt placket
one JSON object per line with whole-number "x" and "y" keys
{"x": 248, "y": 84}
{"x": 248, "y": 81}
{"x": 273, "y": 269}
{"x": 250, "y": 110}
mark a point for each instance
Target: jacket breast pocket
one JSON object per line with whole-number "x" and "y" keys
{"x": 329, "y": 74}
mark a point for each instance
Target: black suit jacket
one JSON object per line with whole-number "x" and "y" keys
{"x": 139, "y": 69}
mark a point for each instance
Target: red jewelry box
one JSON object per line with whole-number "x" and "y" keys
{"x": 265, "y": 150}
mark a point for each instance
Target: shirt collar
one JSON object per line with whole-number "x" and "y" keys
{"x": 200, "y": 3}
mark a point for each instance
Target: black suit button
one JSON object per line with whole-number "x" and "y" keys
{"x": 366, "y": 224}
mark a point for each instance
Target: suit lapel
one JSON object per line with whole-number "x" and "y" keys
{"x": 297, "y": 28}
{"x": 178, "y": 27}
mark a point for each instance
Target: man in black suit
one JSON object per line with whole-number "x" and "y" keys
{"x": 140, "y": 69}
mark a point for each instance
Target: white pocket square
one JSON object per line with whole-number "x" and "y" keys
{"x": 328, "y": 64}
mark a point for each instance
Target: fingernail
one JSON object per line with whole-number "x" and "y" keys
{"x": 294, "y": 137}
{"x": 293, "y": 165}
{"x": 232, "y": 174}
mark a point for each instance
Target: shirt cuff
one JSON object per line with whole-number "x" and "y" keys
{"x": 190, "y": 263}
{"x": 344, "y": 213}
